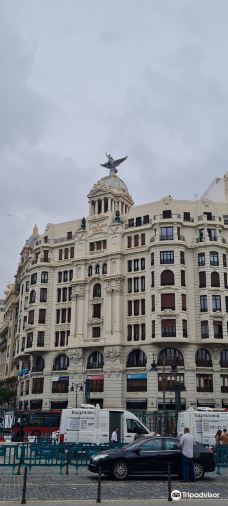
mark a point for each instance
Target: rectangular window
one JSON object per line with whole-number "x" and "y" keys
{"x": 72, "y": 252}
{"x": 218, "y": 329}
{"x": 97, "y": 386}
{"x": 146, "y": 219}
{"x": 138, "y": 221}
{"x": 129, "y": 266}
{"x": 187, "y": 216}
{"x": 204, "y": 382}
{"x": 97, "y": 311}
{"x": 168, "y": 328}
{"x": 42, "y": 316}
{"x": 31, "y": 317}
{"x": 66, "y": 253}
{"x": 166, "y": 257}
{"x": 43, "y": 295}
{"x": 136, "y": 264}
{"x": 204, "y": 329}
{"x": 166, "y": 233}
{"x": 224, "y": 261}
{"x": 104, "y": 244}
{"x": 203, "y": 303}
{"x": 202, "y": 279}
{"x": 92, "y": 246}
{"x": 69, "y": 235}
{"x": 37, "y": 385}
{"x": 182, "y": 257}
{"x": 65, "y": 276}
{"x": 44, "y": 277}
{"x": 40, "y": 339}
{"x": 136, "y": 385}
{"x": 63, "y": 314}
{"x": 129, "y": 332}
{"x": 129, "y": 241}
{"x": 57, "y": 339}
{"x": 201, "y": 259}
{"x": 45, "y": 257}
{"x": 153, "y": 328}
{"x": 142, "y": 283}
{"x": 143, "y": 331}
{"x": 64, "y": 294}
{"x": 152, "y": 303}
{"x": 216, "y": 303}
{"x": 131, "y": 222}
{"x": 143, "y": 239}
{"x": 136, "y": 332}
{"x": 69, "y": 315}
{"x": 136, "y": 307}
{"x": 143, "y": 307}
{"x": 183, "y": 302}
{"x": 182, "y": 278}
{"x": 27, "y": 286}
{"x": 212, "y": 234}
{"x": 143, "y": 264}
{"x": 59, "y": 293}
{"x": 62, "y": 338}
{"x": 96, "y": 332}
{"x": 60, "y": 387}
{"x": 136, "y": 285}
{"x": 224, "y": 383}
{"x": 185, "y": 328}
{"x": 136, "y": 240}
{"x": 167, "y": 301}
{"x": 60, "y": 254}
{"x": 225, "y": 280}
{"x": 29, "y": 340}
{"x": 70, "y": 293}
{"x": 129, "y": 285}
{"x": 167, "y": 214}
{"x": 129, "y": 308}
{"x": 226, "y": 303}
{"x": 57, "y": 315}
{"x": 71, "y": 274}
{"x": 152, "y": 279}
{"x": 60, "y": 277}
{"x": 33, "y": 278}
{"x": 214, "y": 258}
{"x": 152, "y": 259}
{"x": 167, "y": 382}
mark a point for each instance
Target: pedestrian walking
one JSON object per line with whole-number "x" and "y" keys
{"x": 224, "y": 437}
{"x": 218, "y": 441}
{"x": 186, "y": 444}
{"x": 114, "y": 436}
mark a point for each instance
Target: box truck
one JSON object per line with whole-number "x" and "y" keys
{"x": 203, "y": 423}
{"x": 90, "y": 424}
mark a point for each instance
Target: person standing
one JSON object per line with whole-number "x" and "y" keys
{"x": 186, "y": 444}
{"x": 218, "y": 441}
{"x": 224, "y": 437}
{"x": 114, "y": 436}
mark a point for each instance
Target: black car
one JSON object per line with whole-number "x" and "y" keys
{"x": 150, "y": 456}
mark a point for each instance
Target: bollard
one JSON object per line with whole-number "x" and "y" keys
{"x": 23, "y": 500}
{"x": 99, "y": 486}
{"x": 20, "y": 460}
{"x": 169, "y": 483}
{"x": 67, "y": 461}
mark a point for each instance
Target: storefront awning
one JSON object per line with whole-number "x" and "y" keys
{"x": 206, "y": 404}
{"x": 142, "y": 375}
{"x": 95, "y": 377}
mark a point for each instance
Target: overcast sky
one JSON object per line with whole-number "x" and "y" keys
{"x": 143, "y": 78}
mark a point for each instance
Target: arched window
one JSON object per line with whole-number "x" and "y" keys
{"x": 104, "y": 269}
{"x": 136, "y": 358}
{"x": 61, "y": 363}
{"x": 167, "y": 278}
{"x": 90, "y": 270}
{"x": 39, "y": 365}
{"x": 224, "y": 358}
{"x": 95, "y": 360}
{"x": 203, "y": 358}
{"x": 97, "y": 269}
{"x": 170, "y": 356}
{"x": 215, "y": 280}
{"x": 97, "y": 290}
{"x": 32, "y": 297}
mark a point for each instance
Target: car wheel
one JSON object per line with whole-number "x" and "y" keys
{"x": 120, "y": 470}
{"x": 199, "y": 470}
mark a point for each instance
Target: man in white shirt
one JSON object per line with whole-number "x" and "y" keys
{"x": 186, "y": 444}
{"x": 114, "y": 436}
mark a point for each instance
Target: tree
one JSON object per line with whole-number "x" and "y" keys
{"x": 7, "y": 392}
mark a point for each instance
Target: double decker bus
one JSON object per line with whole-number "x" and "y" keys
{"x": 36, "y": 422}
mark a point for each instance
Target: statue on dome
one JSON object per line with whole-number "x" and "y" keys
{"x": 112, "y": 164}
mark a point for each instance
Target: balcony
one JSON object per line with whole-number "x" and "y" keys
{"x": 137, "y": 225}
{"x": 204, "y": 217}
{"x": 64, "y": 239}
{"x": 158, "y": 217}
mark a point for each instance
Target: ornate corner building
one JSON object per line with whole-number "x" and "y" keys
{"x": 103, "y": 298}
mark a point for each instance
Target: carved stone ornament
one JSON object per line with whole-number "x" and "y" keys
{"x": 97, "y": 228}
{"x": 112, "y": 355}
{"x": 75, "y": 356}
{"x": 80, "y": 236}
{"x": 114, "y": 228}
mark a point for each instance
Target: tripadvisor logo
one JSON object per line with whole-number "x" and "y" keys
{"x": 176, "y": 495}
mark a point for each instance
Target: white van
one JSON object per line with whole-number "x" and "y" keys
{"x": 90, "y": 424}
{"x": 207, "y": 423}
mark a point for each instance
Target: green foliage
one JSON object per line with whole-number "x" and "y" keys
{"x": 7, "y": 392}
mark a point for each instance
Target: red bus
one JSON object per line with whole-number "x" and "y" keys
{"x": 36, "y": 422}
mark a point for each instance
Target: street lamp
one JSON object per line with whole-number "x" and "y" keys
{"x": 74, "y": 388}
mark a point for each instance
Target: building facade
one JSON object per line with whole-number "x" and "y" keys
{"x": 123, "y": 305}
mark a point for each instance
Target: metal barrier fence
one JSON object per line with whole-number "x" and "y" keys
{"x": 50, "y": 454}
{"x": 161, "y": 422}
{"x": 221, "y": 457}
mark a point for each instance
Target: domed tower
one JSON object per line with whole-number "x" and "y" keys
{"x": 110, "y": 194}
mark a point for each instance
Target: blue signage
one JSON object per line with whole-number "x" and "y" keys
{"x": 142, "y": 375}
